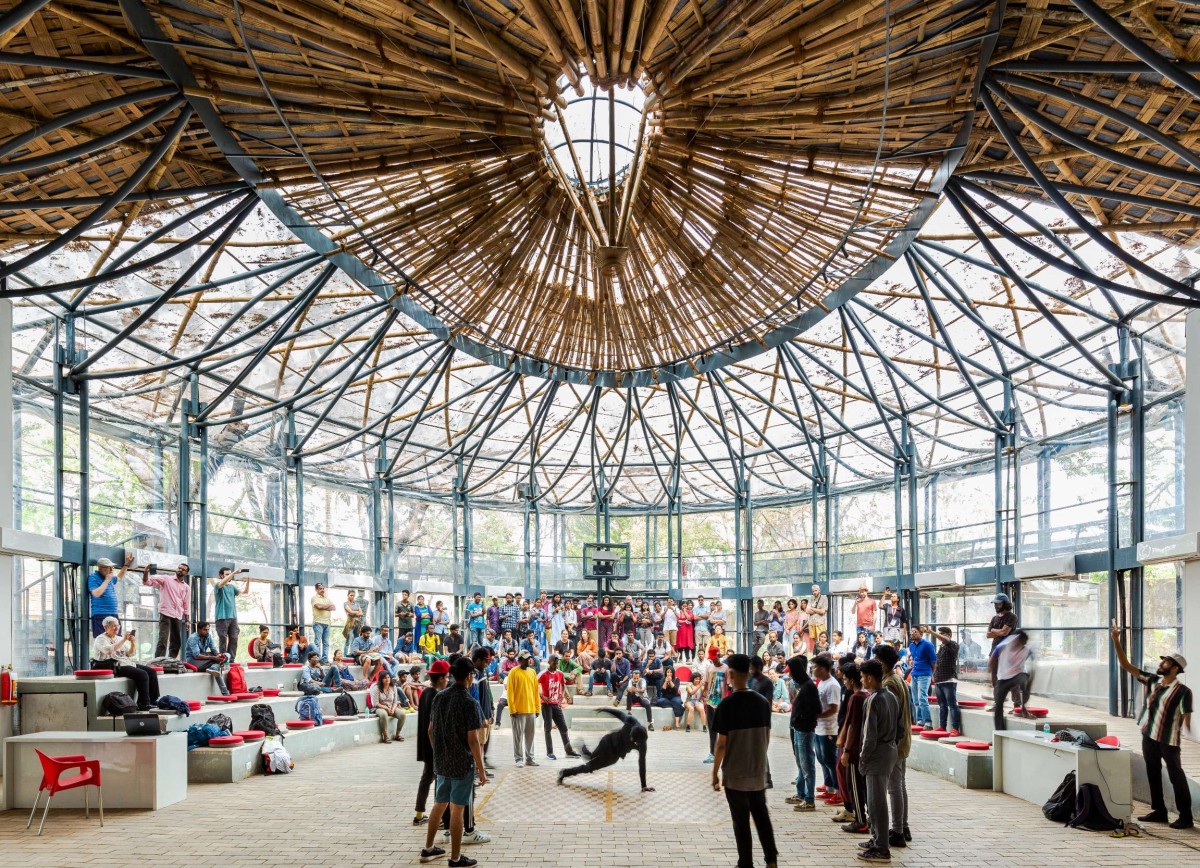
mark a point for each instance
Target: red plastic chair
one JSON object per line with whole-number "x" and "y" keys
{"x": 53, "y": 780}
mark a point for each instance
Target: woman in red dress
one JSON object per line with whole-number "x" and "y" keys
{"x": 685, "y": 642}
{"x": 605, "y": 621}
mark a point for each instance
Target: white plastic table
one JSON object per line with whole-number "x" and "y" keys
{"x": 1031, "y": 767}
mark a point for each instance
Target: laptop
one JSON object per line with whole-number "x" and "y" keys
{"x": 145, "y": 723}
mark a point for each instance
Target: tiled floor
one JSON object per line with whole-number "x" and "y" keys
{"x": 355, "y": 808}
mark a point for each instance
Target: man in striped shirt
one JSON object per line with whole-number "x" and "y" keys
{"x": 1167, "y": 708}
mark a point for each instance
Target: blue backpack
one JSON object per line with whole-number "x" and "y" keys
{"x": 308, "y": 708}
{"x": 198, "y": 734}
{"x": 175, "y": 704}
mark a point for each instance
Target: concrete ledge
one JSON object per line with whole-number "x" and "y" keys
{"x": 970, "y": 769}
{"x": 239, "y": 712}
{"x": 979, "y": 725}
{"x": 219, "y": 765}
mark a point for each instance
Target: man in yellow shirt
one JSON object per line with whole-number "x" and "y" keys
{"x": 524, "y": 707}
{"x": 431, "y": 645}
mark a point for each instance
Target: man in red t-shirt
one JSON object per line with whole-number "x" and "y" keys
{"x": 864, "y": 611}
{"x": 552, "y": 687}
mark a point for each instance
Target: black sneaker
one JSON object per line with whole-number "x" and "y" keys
{"x": 856, "y": 829}
{"x": 431, "y": 853}
{"x": 420, "y": 821}
{"x": 1182, "y": 823}
{"x": 875, "y": 855}
{"x": 1153, "y": 817}
{"x": 574, "y": 755}
{"x": 561, "y": 776}
{"x": 907, "y": 835}
{"x": 868, "y": 844}
{"x": 896, "y": 839}
{"x": 650, "y": 727}
{"x": 463, "y": 861}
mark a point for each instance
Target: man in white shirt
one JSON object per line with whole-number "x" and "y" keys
{"x": 1012, "y": 675}
{"x": 830, "y": 694}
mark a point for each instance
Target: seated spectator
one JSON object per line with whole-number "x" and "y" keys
{"x": 572, "y": 674}
{"x": 340, "y": 677}
{"x": 508, "y": 664}
{"x": 635, "y": 694}
{"x": 295, "y": 645}
{"x": 199, "y": 651}
{"x": 431, "y": 645}
{"x": 362, "y": 649}
{"x": 720, "y": 641}
{"x": 839, "y": 648}
{"x": 781, "y": 699}
{"x": 314, "y": 679}
{"x": 669, "y": 697}
{"x": 529, "y": 644}
{"x": 601, "y": 673}
{"x": 563, "y": 643}
{"x": 771, "y": 647}
{"x": 585, "y": 650}
{"x": 412, "y": 687}
{"x": 822, "y": 646}
{"x": 632, "y": 648}
{"x": 662, "y": 649}
{"x": 111, "y": 650}
{"x": 406, "y": 649}
{"x": 694, "y": 702}
{"x": 385, "y": 700}
{"x": 262, "y": 648}
{"x": 506, "y": 642}
{"x": 652, "y": 673}
{"x": 382, "y": 643}
{"x": 452, "y": 642}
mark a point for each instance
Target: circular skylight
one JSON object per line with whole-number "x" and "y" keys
{"x": 588, "y": 132}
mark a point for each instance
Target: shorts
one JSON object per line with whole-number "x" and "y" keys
{"x": 456, "y": 791}
{"x": 815, "y": 630}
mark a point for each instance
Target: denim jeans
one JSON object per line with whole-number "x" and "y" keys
{"x": 804, "y": 746}
{"x": 476, "y": 637}
{"x": 827, "y": 757}
{"x": 920, "y": 699}
{"x": 321, "y": 640}
{"x": 947, "y": 695}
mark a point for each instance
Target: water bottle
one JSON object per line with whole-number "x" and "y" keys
{"x": 1046, "y": 731}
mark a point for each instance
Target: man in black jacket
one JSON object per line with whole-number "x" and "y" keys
{"x": 438, "y": 675}
{"x": 482, "y": 658}
{"x": 806, "y": 707}
{"x": 613, "y": 747}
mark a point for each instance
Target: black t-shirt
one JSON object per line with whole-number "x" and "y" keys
{"x": 763, "y": 686}
{"x": 1004, "y": 619}
{"x": 452, "y": 644}
{"x": 744, "y": 718}
{"x": 424, "y": 706}
{"x": 453, "y": 715}
{"x": 806, "y": 707}
{"x": 404, "y": 617}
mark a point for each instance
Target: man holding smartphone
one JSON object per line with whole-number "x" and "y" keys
{"x": 225, "y": 594}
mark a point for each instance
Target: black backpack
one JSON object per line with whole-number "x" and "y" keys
{"x": 262, "y": 718}
{"x": 118, "y": 704}
{"x": 1060, "y": 807}
{"x": 1090, "y": 811}
{"x": 167, "y": 702}
{"x": 344, "y": 705}
{"x": 276, "y": 660}
{"x": 222, "y": 721}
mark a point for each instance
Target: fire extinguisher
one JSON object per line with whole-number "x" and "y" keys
{"x": 8, "y": 686}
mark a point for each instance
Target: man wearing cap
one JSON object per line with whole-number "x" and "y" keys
{"x": 524, "y": 706}
{"x": 102, "y": 585}
{"x": 174, "y": 601}
{"x": 1167, "y": 709}
{"x": 438, "y": 672}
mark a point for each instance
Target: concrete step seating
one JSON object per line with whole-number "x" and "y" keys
{"x": 282, "y": 706}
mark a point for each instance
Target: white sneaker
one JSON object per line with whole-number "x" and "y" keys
{"x": 476, "y": 837}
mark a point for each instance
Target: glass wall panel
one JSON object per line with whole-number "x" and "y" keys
{"x": 783, "y": 544}
{"x": 33, "y": 463}
{"x": 1162, "y": 607}
{"x": 1068, "y": 624}
{"x": 33, "y": 615}
{"x": 337, "y": 528}
{"x": 1164, "y": 489}
{"x": 866, "y": 533}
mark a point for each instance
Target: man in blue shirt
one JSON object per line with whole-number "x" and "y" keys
{"x": 102, "y": 585}
{"x": 700, "y": 612}
{"x": 620, "y": 675}
{"x": 476, "y": 622}
{"x": 362, "y": 649}
{"x": 923, "y": 656}
{"x": 225, "y": 594}
{"x": 200, "y": 652}
{"x": 382, "y": 643}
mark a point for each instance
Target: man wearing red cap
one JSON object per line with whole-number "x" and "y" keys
{"x": 438, "y": 671}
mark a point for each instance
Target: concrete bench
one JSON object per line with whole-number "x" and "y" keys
{"x": 239, "y": 712}
{"x": 979, "y": 724}
{"x": 223, "y": 765}
{"x": 145, "y": 772}
{"x": 969, "y": 769}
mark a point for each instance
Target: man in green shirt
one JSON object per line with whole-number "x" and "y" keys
{"x": 225, "y": 594}
{"x": 572, "y": 672}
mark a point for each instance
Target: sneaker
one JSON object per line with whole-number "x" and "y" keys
{"x": 821, "y": 788}
{"x": 687, "y": 728}
{"x": 650, "y": 727}
{"x": 462, "y": 861}
{"x": 708, "y": 760}
{"x": 868, "y": 844}
{"x": 530, "y": 762}
{"x": 420, "y": 821}
{"x": 1153, "y": 817}
{"x": 805, "y": 807}
{"x": 431, "y": 853}
{"x": 953, "y": 733}
{"x": 834, "y": 801}
{"x": 476, "y": 837}
{"x": 561, "y": 776}
{"x": 574, "y": 755}
{"x": 794, "y": 800}
{"x": 1182, "y": 823}
{"x": 843, "y": 816}
{"x": 896, "y": 839}
{"x": 907, "y": 835}
{"x": 874, "y": 855}
{"x": 855, "y": 828}
{"x": 551, "y": 756}
{"x": 520, "y": 763}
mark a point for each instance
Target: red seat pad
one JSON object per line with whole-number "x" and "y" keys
{"x": 935, "y": 733}
{"x": 259, "y": 664}
{"x": 157, "y": 668}
{"x": 916, "y": 727}
{"x": 225, "y": 741}
{"x": 270, "y": 691}
{"x": 293, "y": 665}
{"x": 194, "y": 704}
{"x": 248, "y": 695}
{"x": 972, "y": 703}
{"x": 222, "y": 699}
{"x": 251, "y": 734}
{"x": 300, "y": 724}
{"x": 973, "y": 745}
{"x": 1109, "y": 739}
{"x": 93, "y": 673}
{"x": 1034, "y": 710}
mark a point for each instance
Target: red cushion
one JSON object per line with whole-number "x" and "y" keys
{"x": 973, "y": 745}
{"x": 300, "y": 724}
{"x": 157, "y": 668}
{"x": 1109, "y": 739}
{"x": 222, "y": 699}
{"x": 190, "y": 667}
{"x": 248, "y": 696}
{"x": 270, "y": 691}
{"x": 194, "y": 704}
{"x": 251, "y": 734}
{"x": 935, "y": 733}
{"x": 259, "y": 664}
{"x": 916, "y": 727}
{"x": 293, "y": 665}
{"x": 225, "y": 741}
{"x": 93, "y": 673}
{"x": 1035, "y": 711}
{"x": 972, "y": 703}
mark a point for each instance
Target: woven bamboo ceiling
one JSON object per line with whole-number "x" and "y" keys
{"x": 840, "y": 232}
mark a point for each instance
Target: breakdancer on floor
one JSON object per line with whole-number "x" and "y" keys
{"x": 614, "y": 747}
